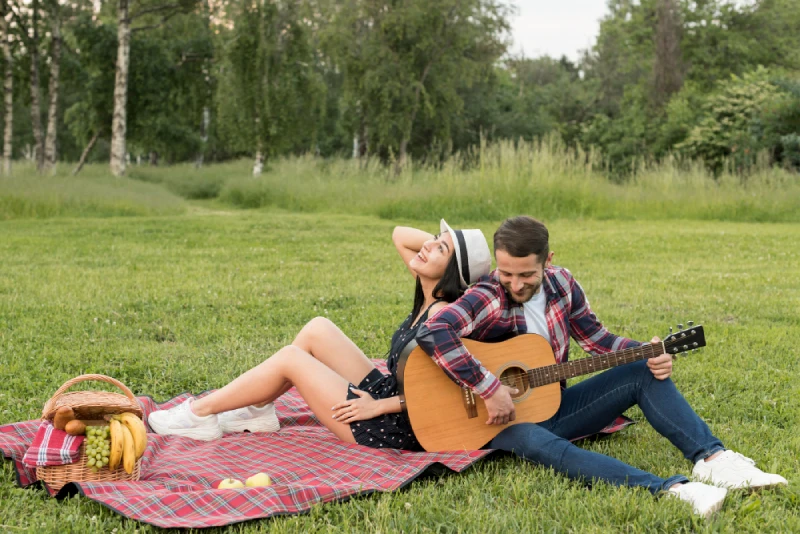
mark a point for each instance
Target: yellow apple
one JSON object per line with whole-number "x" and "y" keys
{"x": 230, "y": 483}
{"x": 258, "y": 480}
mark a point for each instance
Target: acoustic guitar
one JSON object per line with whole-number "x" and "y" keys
{"x": 445, "y": 416}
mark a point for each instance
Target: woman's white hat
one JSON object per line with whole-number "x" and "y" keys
{"x": 472, "y": 253}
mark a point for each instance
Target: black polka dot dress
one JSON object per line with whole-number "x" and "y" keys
{"x": 391, "y": 430}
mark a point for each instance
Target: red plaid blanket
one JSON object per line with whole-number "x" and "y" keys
{"x": 52, "y": 447}
{"x": 307, "y": 464}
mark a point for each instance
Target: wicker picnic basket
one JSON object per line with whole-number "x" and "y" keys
{"x": 89, "y": 407}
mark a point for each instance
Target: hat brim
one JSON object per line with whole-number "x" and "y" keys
{"x": 444, "y": 227}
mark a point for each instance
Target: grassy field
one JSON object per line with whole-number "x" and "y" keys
{"x": 484, "y": 184}
{"x": 187, "y": 302}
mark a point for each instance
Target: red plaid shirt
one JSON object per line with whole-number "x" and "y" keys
{"x": 485, "y": 312}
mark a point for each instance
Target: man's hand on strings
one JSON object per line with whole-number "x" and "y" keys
{"x": 660, "y": 366}
{"x": 364, "y": 407}
{"x": 501, "y": 407}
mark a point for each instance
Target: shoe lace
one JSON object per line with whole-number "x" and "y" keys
{"x": 742, "y": 458}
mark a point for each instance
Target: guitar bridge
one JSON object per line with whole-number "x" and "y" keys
{"x": 469, "y": 403}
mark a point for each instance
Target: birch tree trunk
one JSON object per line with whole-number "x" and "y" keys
{"x": 50, "y": 154}
{"x": 118, "y": 123}
{"x": 36, "y": 109}
{"x": 258, "y": 165}
{"x": 198, "y": 161}
{"x": 8, "y": 88}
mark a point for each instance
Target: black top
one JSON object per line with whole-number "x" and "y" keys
{"x": 391, "y": 430}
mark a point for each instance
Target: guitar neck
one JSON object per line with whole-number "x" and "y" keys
{"x": 548, "y": 374}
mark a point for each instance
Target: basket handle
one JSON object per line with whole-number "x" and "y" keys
{"x": 48, "y": 406}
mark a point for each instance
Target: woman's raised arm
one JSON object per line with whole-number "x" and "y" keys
{"x": 408, "y": 241}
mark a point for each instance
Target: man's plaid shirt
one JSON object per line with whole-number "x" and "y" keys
{"x": 485, "y": 312}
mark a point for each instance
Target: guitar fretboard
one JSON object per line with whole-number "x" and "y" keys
{"x": 548, "y": 374}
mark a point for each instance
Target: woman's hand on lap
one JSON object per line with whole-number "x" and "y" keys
{"x": 360, "y": 409}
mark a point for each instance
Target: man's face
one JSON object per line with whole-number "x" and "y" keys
{"x": 522, "y": 277}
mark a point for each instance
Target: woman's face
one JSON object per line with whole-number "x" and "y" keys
{"x": 431, "y": 261}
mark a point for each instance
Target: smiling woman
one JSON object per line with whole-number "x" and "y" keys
{"x": 325, "y": 365}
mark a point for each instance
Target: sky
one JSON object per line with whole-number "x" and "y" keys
{"x": 555, "y": 27}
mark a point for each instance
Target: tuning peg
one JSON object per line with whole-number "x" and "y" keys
{"x": 670, "y": 330}
{"x": 691, "y": 324}
{"x": 680, "y": 326}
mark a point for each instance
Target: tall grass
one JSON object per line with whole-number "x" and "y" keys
{"x": 489, "y": 182}
{"x": 542, "y": 178}
{"x": 94, "y": 193}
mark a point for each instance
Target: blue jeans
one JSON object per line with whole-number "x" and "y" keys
{"x": 587, "y": 407}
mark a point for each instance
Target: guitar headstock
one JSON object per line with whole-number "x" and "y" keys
{"x": 686, "y": 339}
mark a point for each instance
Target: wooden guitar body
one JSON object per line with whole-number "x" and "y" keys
{"x": 445, "y": 416}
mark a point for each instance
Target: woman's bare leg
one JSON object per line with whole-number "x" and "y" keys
{"x": 327, "y": 343}
{"x": 321, "y": 338}
{"x": 318, "y": 384}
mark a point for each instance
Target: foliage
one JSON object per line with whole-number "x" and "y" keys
{"x": 270, "y": 96}
{"x": 731, "y": 126}
{"x": 406, "y": 61}
{"x": 165, "y": 99}
{"x": 219, "y": 81}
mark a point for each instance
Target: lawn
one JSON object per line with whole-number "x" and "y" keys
{"x": 188, "y": 301}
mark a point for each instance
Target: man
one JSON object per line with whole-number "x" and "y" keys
{"x": 528, "y": 294}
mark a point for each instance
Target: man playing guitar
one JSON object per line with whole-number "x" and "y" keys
{"x": 527, "y": 294}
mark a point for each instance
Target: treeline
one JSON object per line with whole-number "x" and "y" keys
{"x": 161, "y": 81}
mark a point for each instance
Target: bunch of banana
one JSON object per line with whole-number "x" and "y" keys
{"x": 128, "y": 440}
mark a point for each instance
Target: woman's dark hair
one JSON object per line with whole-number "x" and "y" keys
{"x": 448, "y": 288}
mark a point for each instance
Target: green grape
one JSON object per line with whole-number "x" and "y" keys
{"x": 105, "y": 462}
{"x": 91, "y": 462}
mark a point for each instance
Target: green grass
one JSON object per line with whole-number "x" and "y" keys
{"x": 485, "y": 184}
{"x": 493, "y": 181}
{"x": 93, "y": 193}
{"x": 174, "y": 303}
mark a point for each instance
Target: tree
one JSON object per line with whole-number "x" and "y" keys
{"x": 50, "y": 154}
{"x": 731, "y": 127}
{"x": 161, "y": 12}
{"x": 8, "y": 89}
{"x": 271, "y": 97}
{"x": 668, "y": 70}
{"x": 412, "y": 56}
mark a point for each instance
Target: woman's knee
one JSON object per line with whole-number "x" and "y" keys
{"x": 289, "y": 357}
{"x": 317, "y": 328}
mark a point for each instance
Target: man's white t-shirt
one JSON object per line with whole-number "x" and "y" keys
{"x": 534, "y": 315}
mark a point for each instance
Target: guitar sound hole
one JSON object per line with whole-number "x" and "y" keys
{"x": 515, "y": 377}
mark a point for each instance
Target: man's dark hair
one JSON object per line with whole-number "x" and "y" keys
{"x": 522, "y": 236}
{"x": 448, "y": 288}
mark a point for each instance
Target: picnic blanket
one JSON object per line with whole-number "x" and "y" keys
{"x": 307, "y": 464}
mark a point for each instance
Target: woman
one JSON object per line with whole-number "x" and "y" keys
{"x": 323, "y": 363}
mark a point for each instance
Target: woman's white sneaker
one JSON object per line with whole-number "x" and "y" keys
{"x": 733, "y": 471}
{"x": 705, "y": 499}
{"x": 181, "y": 421}
{"x": 250, "y": 419}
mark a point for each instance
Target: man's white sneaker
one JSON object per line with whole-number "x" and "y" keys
{"x": 250, "y": 419}
{"x": 705, "y": 499}
{"x": 180, "y": 421}
{"x": 733, "y": 471}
